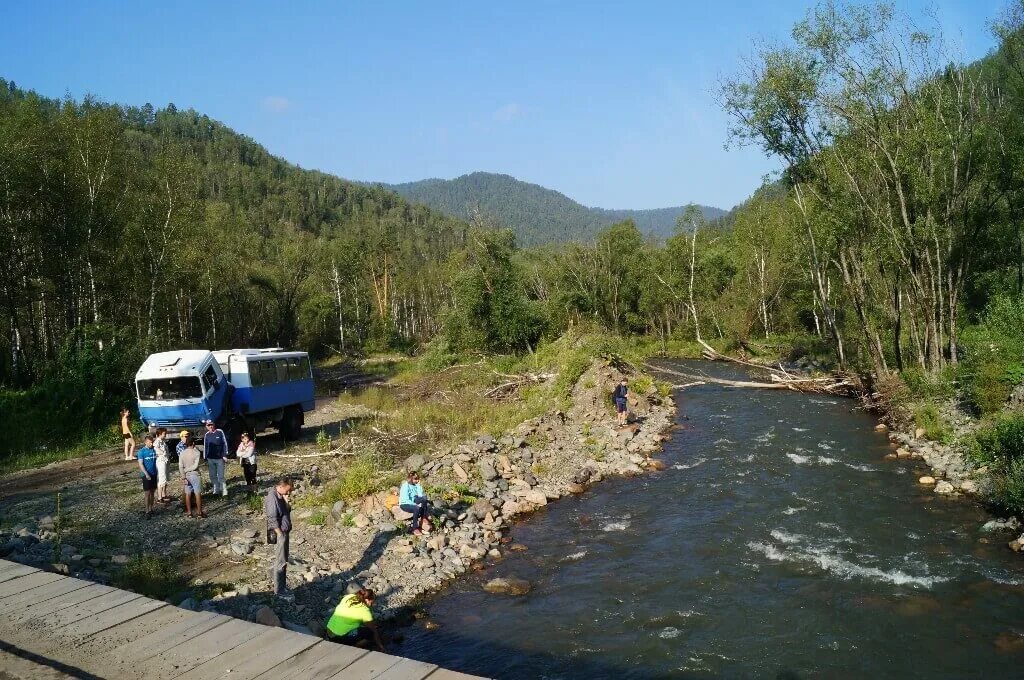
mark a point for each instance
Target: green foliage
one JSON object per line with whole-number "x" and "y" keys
{"x": 1002, "y": 439}
{"x": 928, "y": 418}
{"x": 490, "y": 310}
{"x": 924, "y": 385}
{"x": 1009, "y": 486}
{"x": 369, "y": 472}
{"x": 323, "y": 440}
{"x": 994, "y": 361}
{"x": 317, "y": 518}
{"x": 154, "y": 576}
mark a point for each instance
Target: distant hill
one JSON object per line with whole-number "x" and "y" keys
{"x": 536, "y": 214}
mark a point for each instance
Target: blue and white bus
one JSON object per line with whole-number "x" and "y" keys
{"x": 241, "y": 389}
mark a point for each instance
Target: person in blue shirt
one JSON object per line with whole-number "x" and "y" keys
{"x": 215, "y": 450}
{"x": 147, "y": 466}
{"x": 411, "y": 498}
{"x": 621, "y": 397}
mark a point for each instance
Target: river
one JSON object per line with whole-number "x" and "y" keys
{"x": 777, "y": 543}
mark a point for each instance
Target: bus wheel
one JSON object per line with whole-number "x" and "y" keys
{"x": 291, "y": 424}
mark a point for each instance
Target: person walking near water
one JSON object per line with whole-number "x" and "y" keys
{"x": 126, "y": 434}
{"x": 279, "y": 528}
{"x": 192, "y": 483}
{"x": 215, "y": 448}
{"x": 621, "y": 398}
{"x": 160, "y": 444}
{"x": 351, "y": 623}
{"x": 147, "y": 466}
{"x": 411, "y": 498}
{"x": 247, "y": 456}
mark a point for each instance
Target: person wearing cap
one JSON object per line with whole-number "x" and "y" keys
{"x": 215, "y": 448}
{"x": 182, "y": 444}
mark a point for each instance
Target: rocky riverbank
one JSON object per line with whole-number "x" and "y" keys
{"x": 361, "y": 543}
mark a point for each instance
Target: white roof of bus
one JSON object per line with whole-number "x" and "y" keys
{"x": 239, "y": 354}
{"x": 170, "y": 364}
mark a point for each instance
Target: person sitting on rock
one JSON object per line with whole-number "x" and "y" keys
{"x": 411, "y": 498}
{"x": 351, "y": 623}
{"x": 620, "y": 395}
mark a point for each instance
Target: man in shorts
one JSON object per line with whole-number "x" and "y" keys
{"x": 621, "y": 397}
{"x": 147, "y": 466}
{"x": 188, "y": 466}
{"x": 126, "y": 435}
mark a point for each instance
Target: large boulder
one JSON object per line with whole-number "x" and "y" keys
{"x": 509, "y": 585}
{"x": 400, "y": 515}
{"x": 944, "y": 487}
{"x": 487, "y": 471}
{"x": 266, "y": 616}
{"x": 414, "y": 462}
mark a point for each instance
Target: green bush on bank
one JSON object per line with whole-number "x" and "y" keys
{"x": 994, "y": 355}
{"x": 1000, "y": 445}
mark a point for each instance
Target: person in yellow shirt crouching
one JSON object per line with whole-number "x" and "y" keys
{"x": 352, "y": 621}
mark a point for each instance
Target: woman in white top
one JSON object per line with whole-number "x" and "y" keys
{"x": 160, "y": 444}
{"x": 247, "y": 456}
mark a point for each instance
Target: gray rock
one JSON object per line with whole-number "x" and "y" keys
{"x": 487, "y": 471}
{"x": 119, "y": 559}
{"x": 944, "y": 487}
{"x": 266, "y": 616}
{"x": 509, "y": 585}
{"x": 188, "y": 603}
{"x": 241, "y": 548}
{"x": 243, "y": 591}
{"x": 414, "y": 462}
{"x": 361, "y": 521}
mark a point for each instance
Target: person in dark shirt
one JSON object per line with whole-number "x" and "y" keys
{"x": 621, "y": 397}
{"x": 215, "y": 449}
{"x": 279, "y": 528}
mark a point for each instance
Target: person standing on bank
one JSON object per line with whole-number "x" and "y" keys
{"x": 279, "y": 527}
{"x": 215, "y": 449}
{"x": 247, "y": 456}
{"x": 192, "y": 484}
{"x": 126, "y": 434}
{"x": 147, "y": 466}
{"x": 621, "y": 397}
{"x": 160, "y": 444}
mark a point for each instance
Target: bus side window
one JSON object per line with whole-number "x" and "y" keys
{"x": 294, "y": 369}
{"x": 269, "y": 374}
{"x": 304, "y": 368}
{"x": 210, "y": 377}
{"x": 282, "y": 370}
{"x": 255, "y": 374}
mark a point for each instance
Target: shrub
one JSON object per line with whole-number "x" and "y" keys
{"x": 994, "y": 354}
{"x": 1003, "y": 440}
{"x": 154, "y": 576}
{"x": 317, "y": 519}
{"x": 1009, "y": 486}
{"x": 928, "y": 418}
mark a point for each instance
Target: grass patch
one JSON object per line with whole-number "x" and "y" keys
{"x": 154, "y": 576}
{"x": 368, "y": 473}
{"x": 317, "y": 519}
{"x": 928, "y": 418}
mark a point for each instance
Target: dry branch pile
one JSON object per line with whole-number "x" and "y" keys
{"x": 514, "y": 382}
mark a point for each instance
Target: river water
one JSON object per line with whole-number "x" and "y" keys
{"x": 777, "y": 543}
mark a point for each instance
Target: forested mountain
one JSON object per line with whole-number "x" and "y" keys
{"x": 151, "y": 228}
{"x": 535, "y": 214}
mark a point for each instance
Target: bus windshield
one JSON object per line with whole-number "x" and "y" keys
{"x": 182, "y": 387}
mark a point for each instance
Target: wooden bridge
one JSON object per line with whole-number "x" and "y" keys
{"x": 58, "y": 627}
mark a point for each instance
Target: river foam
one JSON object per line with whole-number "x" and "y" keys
{"x": 826, "y": 559}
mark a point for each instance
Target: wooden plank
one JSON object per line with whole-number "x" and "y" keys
{"x": 445, "y": 674}
{"x": 408, "y": 669}
{"x": 270, "y": 648}
{"x": 220, "y": 640}
{"x": 14, "y": 570}
{"x": 137, "y": 649}
{"x": 322, "y": 661}
{"x": 114, "y": 616}
{"x": 134, "y": 629}
{"x": 369, "y": 666}
{"x": 40, "y": 594}
{"x": 34, "y": 580}
{"x": 84, "y": 610}
{"x": 71, "y": 599}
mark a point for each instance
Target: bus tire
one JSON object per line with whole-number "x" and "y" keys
{"x": 291, "y": 424}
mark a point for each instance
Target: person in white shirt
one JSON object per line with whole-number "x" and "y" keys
{"x": 247, "y": 456}
{"x": 161, "y": 465}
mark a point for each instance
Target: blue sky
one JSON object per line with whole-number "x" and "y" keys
{"x": 612, "y": 104}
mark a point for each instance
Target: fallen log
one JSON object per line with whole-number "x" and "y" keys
{"x": 825, "y": 384}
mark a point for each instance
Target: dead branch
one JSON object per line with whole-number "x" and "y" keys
{"x": 515, "y": 382}
{"x": 324, "y": 454}
{"x": 827, "y": 384}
